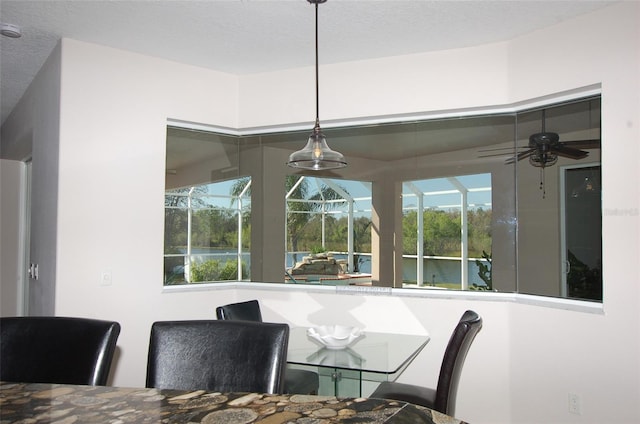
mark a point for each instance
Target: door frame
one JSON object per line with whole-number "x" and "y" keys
{"x": 564, "y": 260}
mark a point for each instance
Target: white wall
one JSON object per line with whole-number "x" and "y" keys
{"x": 111, "y": 191}
{"x": 441, "y": 81}
{"x": 600, "y": 352}
{"x": 527, "y": 358}
{"x": 32, "y": 132}
{"x": 12, "y": 180}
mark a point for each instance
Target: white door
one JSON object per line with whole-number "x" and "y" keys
{"x": 15, "y": 217}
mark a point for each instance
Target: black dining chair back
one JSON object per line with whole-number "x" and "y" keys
{"x": 244, "y": 311}
{"x": 62, "y": 350}
{"x": 296, "y": 380}
{"x": 443, "y": 398}
{"x": 214, "y": 355}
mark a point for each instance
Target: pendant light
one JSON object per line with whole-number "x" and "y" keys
{"x": 317, "y": 155}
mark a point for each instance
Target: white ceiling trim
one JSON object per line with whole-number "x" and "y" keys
{"x": 530, "y": 104}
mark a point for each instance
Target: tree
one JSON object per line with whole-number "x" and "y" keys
{"x": 361, "y": 235}
{"x": 484, "y": 272}
{"x": 176, "y": 204}
{"x": 442, "y": 232}
{"x": 300, "y": 213}
{"x": 409, "y": 233}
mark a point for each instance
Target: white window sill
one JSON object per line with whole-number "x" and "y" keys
{"x": 524, "y": 299}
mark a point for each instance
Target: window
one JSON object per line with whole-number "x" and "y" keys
{"x": 466, "y": 203}
{"x": 207, "y": 233}
{"x": 446, "y": 232}
{"x": 328, "y": 231}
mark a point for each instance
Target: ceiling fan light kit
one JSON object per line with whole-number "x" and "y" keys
{"x": 542, "y": 154}
{"x": 316, "y": 154}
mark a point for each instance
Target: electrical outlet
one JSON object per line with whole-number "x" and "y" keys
{"x": 574, "y": 404}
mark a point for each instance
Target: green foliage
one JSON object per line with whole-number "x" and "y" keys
{"x": 442, "y": 232}
{"x": 210, "y": 227}
{"x": 336, "y": 234}
{"x": 303, "y": 218}
{"x": 212, "y": 270}
{"x": 318, "y": 249}
{"x": 214, "y": 228}
{"x": 205, "y": 271}
{"x": 217, "y": 228}
{"x": 583, "y": 282}
{"x": 484, "y": 272}
{"x": 230, "y": 271}
{"x": 361, "y": 234}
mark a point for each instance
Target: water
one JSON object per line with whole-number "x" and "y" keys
{"x": 435, "y": 270}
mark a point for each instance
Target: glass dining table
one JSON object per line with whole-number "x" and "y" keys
{"x": 357, "y": 369}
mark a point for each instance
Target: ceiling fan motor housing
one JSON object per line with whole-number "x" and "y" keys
{"x": 544, "y": 139}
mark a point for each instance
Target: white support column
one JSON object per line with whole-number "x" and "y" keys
{"x": 464, "y": 238}
{"x": 420, "y": 235}
{"x": 187, "y": 262}
{"x": 350, "y": 236}
{"x": 350, "y": 227}
{"x": 240, "y": 206}
{"x": 239, "y": 249}
{"x": 464, "y": 242}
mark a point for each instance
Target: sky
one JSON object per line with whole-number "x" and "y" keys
{"x": 438, "y": 192}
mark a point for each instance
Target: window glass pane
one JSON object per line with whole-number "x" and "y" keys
{"x": 446, "y": 232}
{"x": 175, "y": 224}
{"x": 207, "y": 232}
{"x": 328, "y": 231}
{"x": 400, "y": 197}
{"x": 554, "y": 226}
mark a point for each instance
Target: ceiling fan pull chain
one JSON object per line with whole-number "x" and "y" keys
{"x": 542, "y": 184}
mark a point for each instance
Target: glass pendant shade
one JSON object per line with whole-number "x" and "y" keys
{"x": 317, "y": 155}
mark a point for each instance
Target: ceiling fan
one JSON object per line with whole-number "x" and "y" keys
{"x": 545, "y": 147}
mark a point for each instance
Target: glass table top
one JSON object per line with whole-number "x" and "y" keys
{"x": 384, "y": 353}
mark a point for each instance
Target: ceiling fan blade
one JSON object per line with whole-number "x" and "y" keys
{"x": 582, "y": 144}
{"x": 519, "y": 156}
{"x": 496, "y": 154}
{"x": 505, "y": 151}
{"x": 570, "y": 152}
{"x": 510, "y": 148}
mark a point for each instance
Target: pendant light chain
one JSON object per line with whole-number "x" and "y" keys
{"x": 317, "y": 75}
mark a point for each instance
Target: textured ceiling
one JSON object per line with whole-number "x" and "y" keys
{"x": 250, "y": 36}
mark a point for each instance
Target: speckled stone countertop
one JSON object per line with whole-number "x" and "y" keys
{"x": 24, "y": 403}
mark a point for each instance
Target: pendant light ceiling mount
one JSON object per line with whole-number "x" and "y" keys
{"x": 317, "y": 155}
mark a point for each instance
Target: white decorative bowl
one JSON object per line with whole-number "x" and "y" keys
{"x": 335, "y": 336}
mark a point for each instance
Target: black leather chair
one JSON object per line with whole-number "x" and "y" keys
{"x": 296, "y": 380}
{"x": 244, "y": 311}
{"x": 226, "y": 356}
{"x": 443, "y": 398}
{"x": 57, "y": 350}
